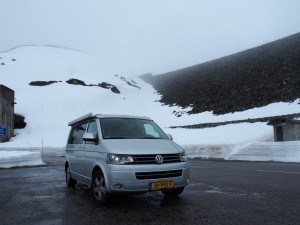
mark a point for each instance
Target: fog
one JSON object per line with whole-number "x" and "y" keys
{"x": 137, "y": 37}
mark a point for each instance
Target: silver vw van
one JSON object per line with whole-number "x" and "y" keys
{"x": 114, "y": 154}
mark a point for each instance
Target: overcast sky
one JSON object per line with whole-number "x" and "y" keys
{"x": 140, "y": 36}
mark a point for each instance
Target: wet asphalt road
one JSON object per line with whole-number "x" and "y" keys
{"x": 220, "y": 192}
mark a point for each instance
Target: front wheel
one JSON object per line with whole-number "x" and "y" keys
{"x": 173, "y": 192}
{"x": 99, "y": 189}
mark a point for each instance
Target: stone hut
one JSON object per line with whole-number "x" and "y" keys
{"x": 285, "y": 129}
{"x": 7, "y": 97}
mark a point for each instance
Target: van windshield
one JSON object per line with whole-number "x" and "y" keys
{"x": 130, "y": 128}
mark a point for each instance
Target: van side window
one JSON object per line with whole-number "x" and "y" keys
{"x": 92, "y": 128}
{"x": 77, "y": 133}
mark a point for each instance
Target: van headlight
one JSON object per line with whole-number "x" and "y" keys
{"x": 119, "y": 158}
{"x": 182, "y": 157}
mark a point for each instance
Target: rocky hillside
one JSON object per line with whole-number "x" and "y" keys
{"x": 252, "y": 78}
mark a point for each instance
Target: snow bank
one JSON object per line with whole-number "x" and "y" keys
{"x": 254, "y": 151}
{"x": 268, "y": 151}
{"x": 208, "y": 151}
{"x": 12, "y": 158}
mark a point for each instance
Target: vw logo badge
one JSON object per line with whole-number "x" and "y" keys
{"x": 159, "y": 159}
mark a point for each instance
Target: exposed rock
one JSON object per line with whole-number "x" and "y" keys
{"x": 263, "y": 119}
{"x": 73, "y": 81}
{"x": 76, "y": 82}
{"x": 252, "y": 78}
{"x": 19, "y": 121}
{"x": 42, "y": 83}
{"x": 106, "y": 85}
{"x": 113, "y": 88}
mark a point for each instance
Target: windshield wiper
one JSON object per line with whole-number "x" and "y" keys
{"x": 116, "y": 138}
{"x": 133, "y": 138}
{"x": 151, "y": 138}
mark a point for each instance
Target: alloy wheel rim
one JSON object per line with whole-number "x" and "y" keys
{"x": 99, "y": 188}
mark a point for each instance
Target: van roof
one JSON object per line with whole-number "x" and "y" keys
{"x": 120, "y": 116}
{"x": 90, "y": 115}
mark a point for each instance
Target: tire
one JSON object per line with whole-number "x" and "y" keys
{"x": 69, "y": 180}
{"x": 172, "y": 192}
{"x": 99, "y": 189}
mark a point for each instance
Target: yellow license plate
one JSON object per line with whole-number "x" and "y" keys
{"x": 161, "y": 185}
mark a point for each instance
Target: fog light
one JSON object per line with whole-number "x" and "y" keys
{"x": 118, "y": 186}
{"x": 188, "y": 180}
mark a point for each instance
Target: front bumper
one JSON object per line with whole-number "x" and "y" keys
{"x": 122, "y": 178}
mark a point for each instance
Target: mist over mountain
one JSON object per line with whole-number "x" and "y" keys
{"x": 253, "y": 78}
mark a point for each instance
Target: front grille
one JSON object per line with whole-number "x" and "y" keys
{"x": 150, "y": 159}
{"x": 158, "y": 174}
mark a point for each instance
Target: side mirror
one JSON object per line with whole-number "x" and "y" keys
{"x": 89, "y": 137}
{"x": 169, "y": 136}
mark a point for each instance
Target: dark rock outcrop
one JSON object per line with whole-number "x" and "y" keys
{"x": 253, "y": 120}
{"x": 19, "y": 121}
{"x": 73, "y": 81}
{"x": 252, "y": 78}
{"x": 112, "y": 87}
{"x": 42, "y": 83}
{"x": 76, "y": 82}
{"x": 105, "y": 85}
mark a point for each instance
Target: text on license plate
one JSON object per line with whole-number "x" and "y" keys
{"x": 161, "y": 185}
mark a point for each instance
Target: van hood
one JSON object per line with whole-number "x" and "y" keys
{"x": 141, "y": 146}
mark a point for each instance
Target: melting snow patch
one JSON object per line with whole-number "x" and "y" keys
{"x": 209, "y": 151}
{"x": 10, "y": 159}
{"x": 288, "y": 151}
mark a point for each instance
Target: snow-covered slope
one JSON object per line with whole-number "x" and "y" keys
{"x": 48, "y": 109}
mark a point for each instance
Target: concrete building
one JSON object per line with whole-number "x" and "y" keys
{"x": 7, "y": 97}
{"x": 285, "y": 129}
